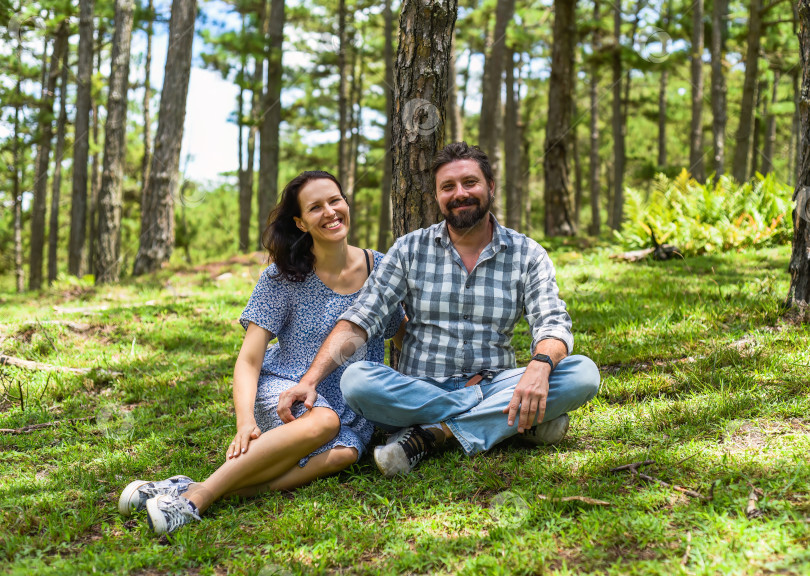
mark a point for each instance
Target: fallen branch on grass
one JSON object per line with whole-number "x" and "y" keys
{"x": 751, "y": 510}
{"x": 584, "y": 499}
{"x": 31, "y": 365}
{"x": 32, "y": 427}
{"x": 633, "y": 469}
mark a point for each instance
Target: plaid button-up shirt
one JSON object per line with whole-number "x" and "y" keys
{"x": 460, "y": 323}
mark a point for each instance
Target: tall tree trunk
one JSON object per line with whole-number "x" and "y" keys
{"x": 770, "y": 130}
{"x": 95, "y": 173}
{"x": 511, "y": 144}
{"x": 109, "y": 197}
{"x": 351, "y": 135}
{"x": 268, "y": 136}
{"x": 490, "y": 120}
{"x": 420, "y": 82}
{"x": 799, "y": 291}
{"x": 696, "y": 164}
{"x": 795, "y": 139}
{"x": 19, "y": 272}
{"x": 465, "y": 90}
{"x": 618, "y": 124}
{"x": 354, "y": 148}
{"x": 559, "y": 219}
{"x": 662, "y": 117}
{"x": 453, "y": 113}
{"x": 147, "y": 98}
{"x": 756, "y": 146}
{"x": 593, "y": 167}
{"x": 718, "y": 49}
{"x": 574, "y": 137}
{"x": 81, "y": 141}
{"x": 343, "y": 100}
{"x": 257, "y": 87}
{"x": 157, "y": 213}
{"x": 742, "y": 139}
{"x": 384, "y": 229}
{"x": 56, "y": 188}
{"x": 38, "y": 206}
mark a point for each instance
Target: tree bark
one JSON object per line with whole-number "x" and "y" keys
{"x": 420, "y": 83}
{"x": 157, "y": 213}
{"x": 384, "y": 230}
{"x": 559, "y": 219}
{"x": 38, "y": 206}
{"x": 56, "y": 187}
{"x": 770, "y": 129}
{"x": 742, "y": 138}
{"x": 95, "y": 173}
{"x": 268, "y": 136}
{"x": 756, "y": 148}
{"x": 718, "y": 49}
{"x": 696, "y": 164}
{"x": 574, "y": 137}
{"x": 452, "y": 113}
{"x": 795, "y": 135}
{"x": 799, "y": 291}
{"x": 147, "y": 98}
{"x": 19, "y": 272}
{"x": 593, "y": 167}
{"x": 618, "y": 124}
{"x": 490, "y": 121}
{"x": 511, "y": 143}
{"x": 109, "y": 197}
{"x": 343, "y": 100}
{"x": 354, "y": 148}
{"x": 81, "y": 141}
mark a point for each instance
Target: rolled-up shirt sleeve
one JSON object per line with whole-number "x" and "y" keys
{"x": 380, "y": 298}
{"x": 544, "y": 310}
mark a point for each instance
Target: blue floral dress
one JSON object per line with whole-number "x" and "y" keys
{"x": 301, "y": 315}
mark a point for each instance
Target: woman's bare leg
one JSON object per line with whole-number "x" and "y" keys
{"x": 270, "y": 456}
{"x": 324, "y": 464}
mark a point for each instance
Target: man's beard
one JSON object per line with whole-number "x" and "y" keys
{"x": 467, "y": 218}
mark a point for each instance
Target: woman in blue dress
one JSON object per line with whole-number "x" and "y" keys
{"x": 314, "y": 277}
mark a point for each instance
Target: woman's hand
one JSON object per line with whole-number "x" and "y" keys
{"x": 244, "y": 434}
{"x": 301, "y": 392}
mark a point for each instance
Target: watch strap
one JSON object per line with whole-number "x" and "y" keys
{"x": 544, "y": 358}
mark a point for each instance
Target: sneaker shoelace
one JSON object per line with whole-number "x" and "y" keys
{"x": 178, "y": 511}
{"x": 416, "y": 443}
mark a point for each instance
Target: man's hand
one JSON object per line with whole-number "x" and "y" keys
{"x": 244, "y": 434}
{"x": 301, "y": 392}
{"x": 530, "y": 396}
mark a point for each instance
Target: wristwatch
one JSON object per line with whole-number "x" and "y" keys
{"x": 544, "y": 358}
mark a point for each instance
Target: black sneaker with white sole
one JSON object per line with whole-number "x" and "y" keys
{"x": 404, "y": 451}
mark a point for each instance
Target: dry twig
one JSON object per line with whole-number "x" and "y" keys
{"x": 31, "y": 365}
{"x": 633, "y": 469}
{"x": 583, "y": 499}
{"x": 751, "y": 510}
{"x": 32, "y": 427}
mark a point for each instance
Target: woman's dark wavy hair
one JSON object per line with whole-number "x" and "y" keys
{"x": 286, "y": 244}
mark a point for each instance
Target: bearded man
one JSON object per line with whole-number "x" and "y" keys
{"x": 465, "y": 283}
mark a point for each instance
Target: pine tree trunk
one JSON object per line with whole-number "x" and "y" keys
{"x": 452, "y": 113}
{"x": 269, "y": 137}
{"x": 756, "y": 146}
{"x": 618, "y": 125}
{"x": 770, "y": 129}
{"x": 559, "y": 219}
{"x": 574, "y": 137}
{"x": 109, "y": 197}
{"x": 81, "y": 141}
{"x": 511, "y": 143}
{"x": 38, "y": 206}
{"x": 384, "y": 229}
{"x": 799, "y": 291}
{"x": 351, "y": 135}
{"x": 354, "y": 148}
{"x": 742, "y": 139}
{"x": 147, "y": 116}
{"x": 490, "y": 120}
{"x": 343, "y": 100}
{"x": 662, "y": 95}
{"x": 19, "y": 272}
{"x": 95, "y": 172}
{"x": 718, "y": 49}
{"x": 696, "y": 164}
{"x": 56, "y": 188}
{"x": 796, "y": 130}
{"x": 246, "y": 191}
{"x": 157, "y": 213}
{"x": 420, "y": 81}
{"x": 593, "y": 167}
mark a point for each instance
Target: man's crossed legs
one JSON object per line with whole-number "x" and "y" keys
{"x": 475, "y": 414}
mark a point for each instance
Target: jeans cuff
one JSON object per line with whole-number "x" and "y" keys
{"x": 465, "y": 444}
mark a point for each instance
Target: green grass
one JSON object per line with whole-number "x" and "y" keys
{"x": 700, "y": 374}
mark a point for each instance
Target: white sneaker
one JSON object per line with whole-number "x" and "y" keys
{"x": 167, "y": 513}
{"x": 547, "y": 433}
{"x": 134, "y": 497}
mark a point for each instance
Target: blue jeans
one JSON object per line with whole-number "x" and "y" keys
{"x": 474, "y": 414}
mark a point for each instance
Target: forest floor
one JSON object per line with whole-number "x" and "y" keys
{"x": 701, "y": 375}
